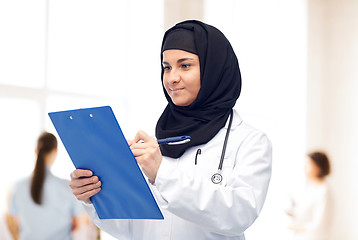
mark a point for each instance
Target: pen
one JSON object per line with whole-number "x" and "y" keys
{"x": 174, "y": 140}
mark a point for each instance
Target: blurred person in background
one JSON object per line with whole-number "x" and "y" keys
{"x": 310, "y": 214}
{"x": 5, "y": 228}
{"x": 88, "y": 230}
{"x": 7, "y": 224}
{"x": 42, "y": 206}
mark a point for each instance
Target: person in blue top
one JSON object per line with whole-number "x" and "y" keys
{"x": 43, "y": 205}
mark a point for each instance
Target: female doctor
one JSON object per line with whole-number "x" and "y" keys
{"x": 213, "y": 187}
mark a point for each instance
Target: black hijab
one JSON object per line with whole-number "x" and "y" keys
{"x": 220, "y": 87}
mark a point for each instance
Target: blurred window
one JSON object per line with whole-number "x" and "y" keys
{"x": 22, "y": 42}
{"x": 68, "y": 54}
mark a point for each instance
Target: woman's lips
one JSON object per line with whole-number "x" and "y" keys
{"x": 176, "y": 90}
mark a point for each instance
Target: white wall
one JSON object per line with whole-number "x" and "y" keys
{"x": 176, "y": 11}
{"x": 333, "y": 98}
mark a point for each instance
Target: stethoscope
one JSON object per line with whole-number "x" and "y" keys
{"x": 217, "y": 177}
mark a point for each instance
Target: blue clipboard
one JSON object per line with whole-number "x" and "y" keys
{"x": 94, "y": 140}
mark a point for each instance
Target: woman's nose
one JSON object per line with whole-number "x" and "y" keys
{"x": 173, "y": 77}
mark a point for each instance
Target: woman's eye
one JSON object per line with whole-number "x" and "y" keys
{"x": 166, "y": 68}
{"x": 185, "y": 65}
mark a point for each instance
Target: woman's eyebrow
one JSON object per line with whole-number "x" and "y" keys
{"x": 179, "y": 61}
{"x": 184, "y": 59}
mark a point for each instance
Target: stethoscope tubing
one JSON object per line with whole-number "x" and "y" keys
{"x": 217, "y": 177}
{"x": 225, "y": 142}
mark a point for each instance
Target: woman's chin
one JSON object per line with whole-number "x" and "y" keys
{"x": 181, "y": 103}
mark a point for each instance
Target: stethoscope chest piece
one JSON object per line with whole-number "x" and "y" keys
{"x": 217, "y": 178}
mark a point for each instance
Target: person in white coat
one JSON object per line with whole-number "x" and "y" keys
{"x": 213, "y": 187}
{"x": 311, "y": 213}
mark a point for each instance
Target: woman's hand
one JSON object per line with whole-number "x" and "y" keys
{"x": 84, "y": 185}
{"x": 147, "y": 153}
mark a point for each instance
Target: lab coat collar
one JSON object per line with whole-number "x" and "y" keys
{"x": 236, "y": 121}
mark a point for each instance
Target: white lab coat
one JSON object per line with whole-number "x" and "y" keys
{"x": 312, "y": 213}
{"x": 193, "y": 206}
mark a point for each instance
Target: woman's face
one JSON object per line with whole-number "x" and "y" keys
{"x": 311, "y": 169}
{"x": 181, "y": 76}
